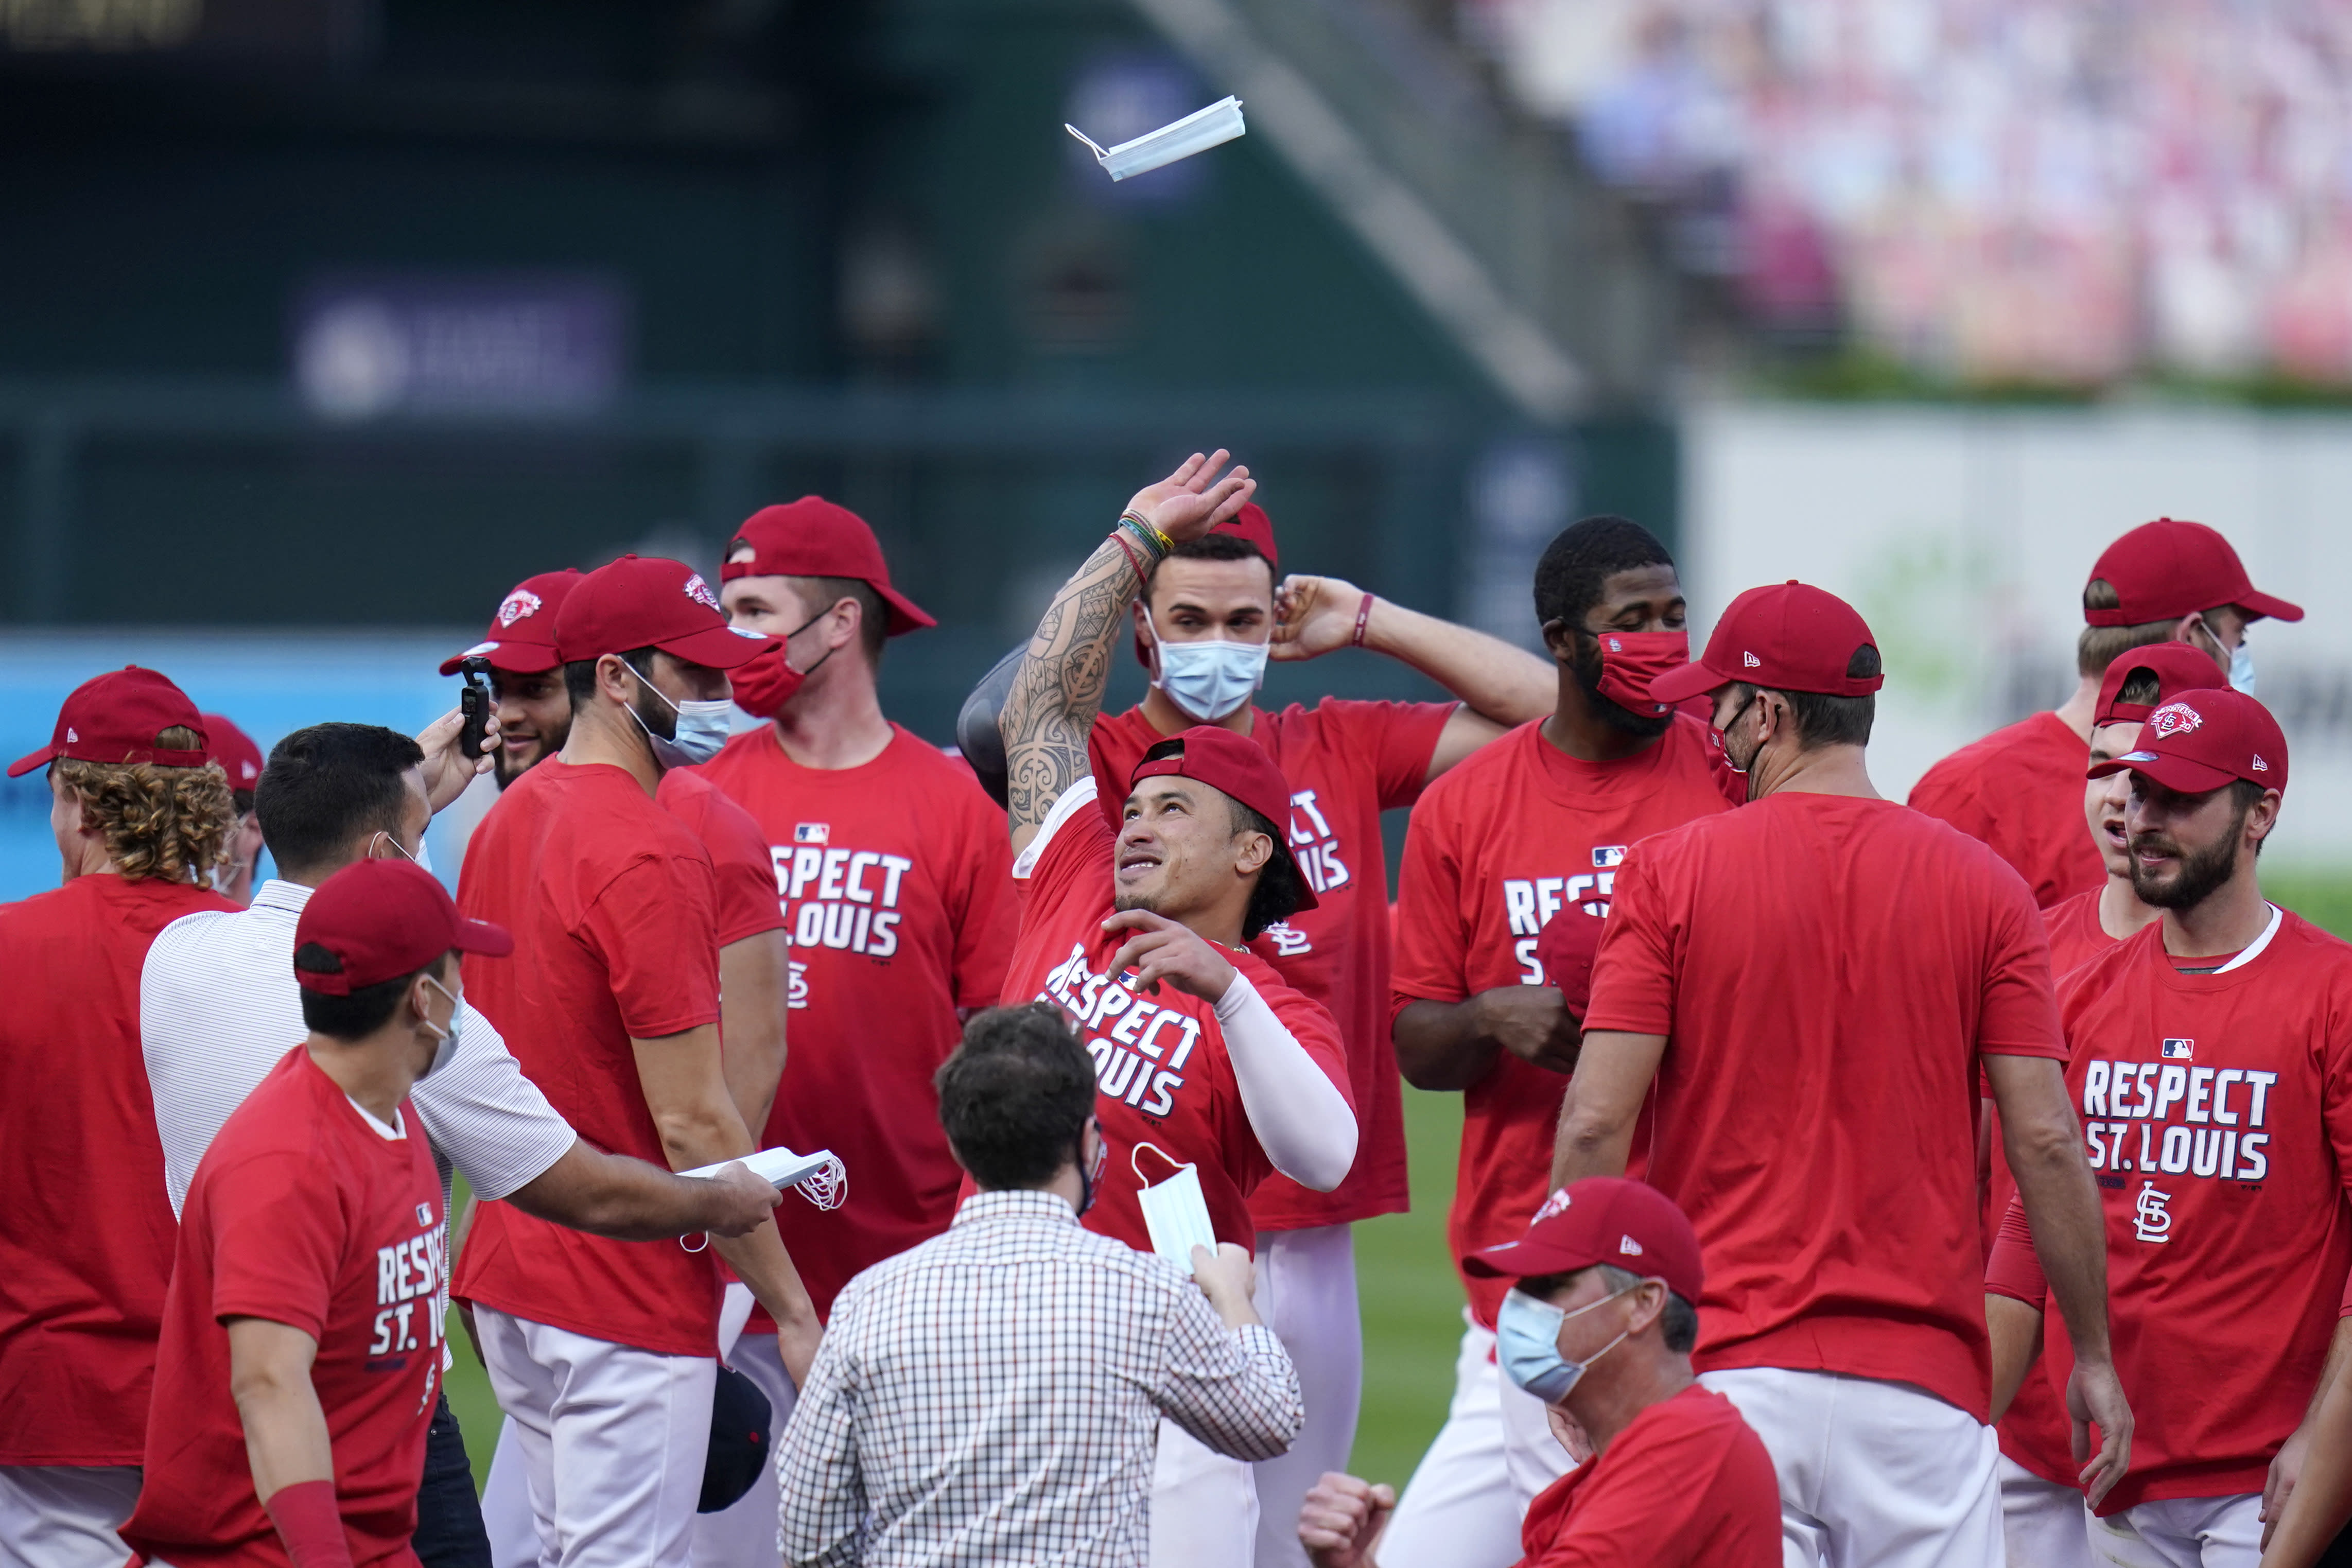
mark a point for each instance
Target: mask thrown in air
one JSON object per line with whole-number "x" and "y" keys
{"x": 1208, "y": 679}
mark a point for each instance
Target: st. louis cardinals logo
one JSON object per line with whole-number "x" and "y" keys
{"x": 2151, "y": 1220}
{"x": 1552, "y": 1205}
{"x": 516, "y": 605}
{"x": 700, "y": 591}
{"x": 2175, "y": 719}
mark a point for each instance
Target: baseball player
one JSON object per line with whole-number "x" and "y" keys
{"x": 2212, "y": 1060}
{"x": 1535, "y": 824}
{"x": 1211, "y": 1073}
{"x": 1810, "y": 1032}
{"x": 893, "y": 879}
{"x": 600, "y": 1347}
{"x": 2041, "y": 1503}
{"x": 2016, "y": 789}
{"x": 240, "y": 762}
{"x": 86, "y": 1236}
{"x": 301, "y": 1346}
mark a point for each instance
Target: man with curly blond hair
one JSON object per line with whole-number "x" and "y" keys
{"x": 86, "y": 1232}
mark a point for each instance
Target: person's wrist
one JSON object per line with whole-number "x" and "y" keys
{"x": 309, "y": 1524}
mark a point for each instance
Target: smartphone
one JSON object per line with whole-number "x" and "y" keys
{"x": 475, "y": 703}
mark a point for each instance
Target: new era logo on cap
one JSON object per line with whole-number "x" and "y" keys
{"x": 1629, "y": 1246}
{"x": 812, "y": 832}
{"x": 516, "y": 605}
{"x": 1751, "y": 661}
{"x": 2175, "y": 719}
{"x": 73, "y": 736}
{"x": 2260, "y": 766}
{"x": 2179, "y": 1050}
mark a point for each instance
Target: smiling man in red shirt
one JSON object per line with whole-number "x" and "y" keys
{"x": 2017, "y": 790}
{"x": 1204, "y": 1061}
{"x": 301, "y": 1342}
{"x": 1810, "y": 1032}
{"x": 2212, "y": 1060}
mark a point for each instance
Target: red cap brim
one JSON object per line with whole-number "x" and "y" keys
{"x": 26, "y": 764}
{"x": 483, "y": 937}
{"x": 1692, "y": 680}
{"x": 514, "y": 657}
{"x": 2266, "y": 605}
{"x": 1526, "y": 1259}
{"x": 2176, "y": 774}
{"x": 720, "y": 647}
{"x": 905, "y": 615}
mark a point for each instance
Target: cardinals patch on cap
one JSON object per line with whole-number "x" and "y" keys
{"x": 2175, "y": 719}
{"x": 700, "y": 591}
{"x": 1552, "y": 1205}
{"x": 516, "y": 605}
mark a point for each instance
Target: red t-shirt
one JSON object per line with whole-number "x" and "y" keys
{"x": 1816, "y": 1105}
{"x": 2020, "y": 791}
{"x": 1162, "y": 1075}
{"x": 611, "y": 903}
{"x": 304, "y": 1214}
{"x": 1686, "y": 1485}
{"x": 1347, "y": 762}
{"x": 86, "y": 1233}
{"x": 897, "y": 882}
{"x": 1495, "y": 847}
{"x": 743, "y": 878}
{"x": 2217, "y": 1111}
{"x": 2036, "y": 1432}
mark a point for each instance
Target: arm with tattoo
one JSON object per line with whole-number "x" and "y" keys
{"x": 1059, "y": 687}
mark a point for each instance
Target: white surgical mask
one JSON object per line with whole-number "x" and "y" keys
{"x": 701, "y": 729}
{"x": 449, "y": 1037}
{"x": 2241, "y": 668}
{"x": 1175, "y": 1214}
{"x": 1211, "y": 678}
{"x": 1527, "y": 1344}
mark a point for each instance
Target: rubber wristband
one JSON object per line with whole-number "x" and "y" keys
{"x": 1161, "y": 544}
{"x": 1142, "y": 578}
{"x": 310, "y": 1524}
{"x": 1363, "y": 619}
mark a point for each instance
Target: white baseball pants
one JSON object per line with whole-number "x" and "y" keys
{"x": 2182, "y": 1532}
{"x": 506, "y": 1505}
{"x": 65, "y": 1516}
{"x": 1462, "y": 1508}
{"x": 1306, "y": 1295}
{"x": 744, "y": 1534}
{"x": 612, "y": 1440}
{"x": 2045, "y": 1524}
{"x": 1203, "y": 1505}
{"x": 1873, "y": 1474}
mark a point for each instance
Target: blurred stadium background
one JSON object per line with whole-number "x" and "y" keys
{"x": 322, "y": 321}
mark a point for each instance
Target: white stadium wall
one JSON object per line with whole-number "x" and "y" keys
{"x": 1964, "y": 536}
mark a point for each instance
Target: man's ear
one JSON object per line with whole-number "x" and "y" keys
{"x": 614, "y": 678}
{"x": 1256, "y": 853}
{"x": 1559, "y": 637}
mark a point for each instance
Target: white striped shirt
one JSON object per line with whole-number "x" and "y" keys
{"x": 218, "y": 1008}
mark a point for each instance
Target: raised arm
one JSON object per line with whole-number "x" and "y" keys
{"x": 1059, "y": 687}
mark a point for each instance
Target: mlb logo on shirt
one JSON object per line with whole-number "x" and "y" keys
{"x": 1608, "y": 855}
{"x": 2179, "y": 1050}
{"x": 812, "y": 832}
{"x": 424, "y": 1214}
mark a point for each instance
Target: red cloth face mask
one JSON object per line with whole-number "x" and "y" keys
{"x": 1630, "y": 660}
{"x": 762, "y": 687}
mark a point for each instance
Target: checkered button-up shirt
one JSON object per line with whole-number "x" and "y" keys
{"x": 994, "y": 1396}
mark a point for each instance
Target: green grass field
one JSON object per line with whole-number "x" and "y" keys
{"x": 1412, "y": 1302}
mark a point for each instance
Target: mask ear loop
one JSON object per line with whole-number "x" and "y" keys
{"x": 1174, "y": 1163}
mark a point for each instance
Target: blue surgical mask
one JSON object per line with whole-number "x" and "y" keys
{"x": 2241, "y": 668}
{"x": 1211, "y": 678}
{"x": 701, "y": 727}
{"x": 1527, "y": 1344}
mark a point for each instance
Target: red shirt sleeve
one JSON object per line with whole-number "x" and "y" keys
{"x": 743, "y": 873}
{"x": 986, "y": 912}
{"x": 1948, "y": 794}
{"x": 277, "y": 1233}
{"x": 1431, "y": 955}
{"x": 1633, "y": 970}
{"x": 2014, "y": 1269}
{"x": 1400, "y": 739}
{"x": 2020, "y": 1016}
{"x": 655, "y": 927}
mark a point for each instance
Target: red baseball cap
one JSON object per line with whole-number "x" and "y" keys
{"x": 2203, "y": 740}
{"x": 521, "y": 638}
{"x": 115, "y": 718}
{"x": 1252, "y": 524}
{"x": 648, "y": 602}
{"x": 2178, "y": 666}
{"x": 2168, "y": 568}
{"x": 382, "y": 918}
{"x": 1615, "y": 1220}
{"x": 234, "y": 749}
{"x": 1237, "y": 765}
{"x": 813, "y": 537}
{"x": 1790, "y": 636}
